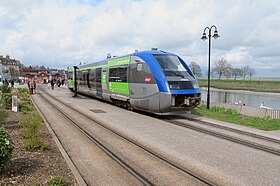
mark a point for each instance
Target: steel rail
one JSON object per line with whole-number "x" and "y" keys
{"x": 236, "y": 130}
{"x": 226, "y": 137}
{"x": 101, "y": 146}
{"x": 185, "y": 170}
{"x": 79, "y": 178}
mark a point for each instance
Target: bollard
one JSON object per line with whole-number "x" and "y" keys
{"x": 14, "y": 103}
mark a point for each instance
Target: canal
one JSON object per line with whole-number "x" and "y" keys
{"x": 250, "y": 99}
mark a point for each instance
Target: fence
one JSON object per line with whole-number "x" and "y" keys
{"x": 250, "y": 111}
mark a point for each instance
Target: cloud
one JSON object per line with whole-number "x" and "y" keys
{"x": 66, "y": 32}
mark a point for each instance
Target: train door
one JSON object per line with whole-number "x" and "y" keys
{"x": 88, "y": 82}
{"x": 99, "y": 82}
{"x": 104, "y": 79}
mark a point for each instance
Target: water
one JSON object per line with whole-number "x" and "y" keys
{"x": 250, "y": 99}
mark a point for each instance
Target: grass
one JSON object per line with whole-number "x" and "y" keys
{"x": 232, "y": 116}
{"x": 57, "y": 180}
{"x": 261, "y": 85}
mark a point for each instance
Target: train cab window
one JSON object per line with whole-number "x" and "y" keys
{"x": 118, "y": 74}
{"x": 171, "y": 65}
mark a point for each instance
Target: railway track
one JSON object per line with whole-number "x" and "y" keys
{"x": 100, "y": 145}
{"x": 113, "y": 155}
{"x": 256, "y": 141}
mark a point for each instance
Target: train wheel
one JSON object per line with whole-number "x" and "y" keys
{"x": 129, "y": 107}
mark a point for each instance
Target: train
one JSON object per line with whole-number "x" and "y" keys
{"x": 154, "y": 81}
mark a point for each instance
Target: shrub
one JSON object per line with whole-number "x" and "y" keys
{"x": 6, "y": 100}
{"x": 23, "y": 94}
{"x": 6, "y": 89}
{"x": 3, "y": 115}
{"x": 23, "y": 90}
{"x": 25, "y": 106}
{"x": 6, "y": 149}
{"x": 57, "y": 180}
{"x": 31, "y": 132}
{"x": 35, "y": 143}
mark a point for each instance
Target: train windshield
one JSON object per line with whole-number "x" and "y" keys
{"x": 171, "y": 65}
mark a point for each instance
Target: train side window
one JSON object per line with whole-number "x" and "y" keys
{"x": 70, "y": 75}
{"x": 118, "y": 74}
{"x": 92, "y": 78}
{"x": 98, "y": 75}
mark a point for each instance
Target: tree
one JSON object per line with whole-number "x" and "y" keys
{"x": 195, "y": 69}
{"x": 14, "y": 73}
{"x": 228, "y": 72}
{"x": 245, "y": 71}
{"x": 236, "y": 72}
{"x": 221, "y": 67}
{"x": 251, "y": 72}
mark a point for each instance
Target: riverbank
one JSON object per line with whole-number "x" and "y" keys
{"x": 262, "y": 85}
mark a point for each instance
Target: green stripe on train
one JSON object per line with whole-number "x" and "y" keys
{"x": 119, "y": 87}
{"x": 119, "y": 61}
{"x": 70, "y": 83}
{"x": 104, "y": 80}
{"x": 70, "y": 70}
{"x": 94, "y": 67}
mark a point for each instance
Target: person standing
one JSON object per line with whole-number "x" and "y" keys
{"x": 12, "y": 84}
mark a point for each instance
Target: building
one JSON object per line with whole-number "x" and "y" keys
{"x": 9, "y": 68}
{"x": 41, "y": 74}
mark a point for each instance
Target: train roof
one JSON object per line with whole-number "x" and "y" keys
{"x": 153, "y": 51}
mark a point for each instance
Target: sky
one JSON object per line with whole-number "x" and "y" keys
{"x": 64, "y": 33}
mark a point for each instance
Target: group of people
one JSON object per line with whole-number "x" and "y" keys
{"x": 58, "y": 83}
{"x": 31, "y": 86}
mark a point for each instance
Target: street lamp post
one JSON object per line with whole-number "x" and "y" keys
{"x": 204, "y": 37}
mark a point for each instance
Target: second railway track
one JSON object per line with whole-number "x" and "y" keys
{"x": 260, "y": 142}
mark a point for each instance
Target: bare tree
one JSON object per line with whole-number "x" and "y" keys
{"x": 245, "y": 71}
{"x": 251, "y": 72}
{"x": 236, "y": 72}
{"x": 221, "y": 67}
{"x": 228, "y": 72}
{"x": 14, "y": 73}
{"x": 195, "y": 69}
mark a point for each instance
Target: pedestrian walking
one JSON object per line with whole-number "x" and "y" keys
{"x": 52, "y": 84}
{"x": 12, "y": 84}
{"x": 34, "y": 87}
{"x": 58, "y": 84}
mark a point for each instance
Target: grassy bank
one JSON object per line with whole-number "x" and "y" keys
{"x": 262, "y": 85}
{"x": 232, "y": 116}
